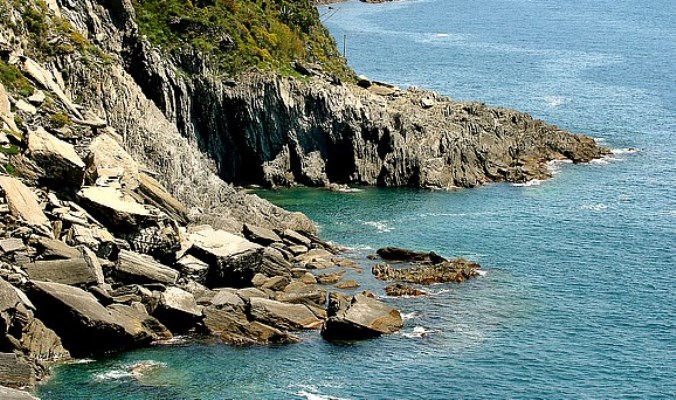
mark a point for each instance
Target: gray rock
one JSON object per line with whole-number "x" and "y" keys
{"x": 193, "y": 268}
{"x": 359, "y": 317}
{"x": 136, "y": 268}
{"x": 276, "y": 283}
{"x": 57, "y": 158}
{"x": 15, "y": 394}
{"x": 15, "y": 371}
{"x": 178, "y": 310}
{"x": 55, "y": 249}
{"x": 232, "y": 327}
{"x": 23, "y": 203}
{"x": 282, "y": 315}
{"x": 73, "y": 271}
{"x": 232, "y": 259}
{"x": 262, "y": 236}
{"x": 84, "y": 325}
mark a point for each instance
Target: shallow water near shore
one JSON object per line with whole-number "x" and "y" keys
{"x": 578, "y": 300}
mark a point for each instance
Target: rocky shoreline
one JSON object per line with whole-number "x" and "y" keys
{"x": 117, "y": 229}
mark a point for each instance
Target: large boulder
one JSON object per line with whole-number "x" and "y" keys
{"x": 22, "y": 202}
{"x": 21, "y": 332}
{"x": 233, "y": 261}
{"x": 85, "y": 326}
{"x": 359, "y": 317}
{"x": 232, "y": 326}
{"x": 15, "y": 371}
{"x": 57, "y": 158}
{"x": 262, "y": 236}
{"x": 15, "y": 394}
{"x": 285, "y": 316}
{"x": 136, "y": 268}
{"x": 73, "y": 271}
{"x": 178, "y": 310}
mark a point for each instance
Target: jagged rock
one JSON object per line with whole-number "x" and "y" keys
{"x": 15, "y": 394}
{"x": 348, "y": 284}
{"x": 55, "y": 249}
{"x": 57, "y": 158}
{"x": 178, "y": 310}
{"x": 399, "y": 290}
{"x": 94, "y": 264}
{"x": 25, "y": 107}
{"x": 23, "y": 203}
{"x": 298, "y": 249}
{"x": 21, "y": 331}
{"x": 276, "y": 283}
{"x": 11, "y": 245}
{"x": 330, "y": 279}
{"x": 227, "y": 297}
{"x": 136, "y": 268}
{"x": 359, "y": 317}
{"x": 109, "y": 161}
{"x": 282, "y": 315}
{"x": 44, "y": 78}
{"x": 274, "y": 264}
{"x": 193, "y": 268}
{"x": 262, "y": 236}
{"x": 15, "y": 371}
{"x": 300, "y": 293}
{"x": 153, "y": 192}
{"x": 295, "y": 238}
{"x": 233, "y": 260}
{"x": 456, "y": 270}
{"x": 73, "y": 271}
{"x": 405, "y": 255}
{"x": 137, "y": 313}
{"x": 84, "y": 325}
{"x": 118, "y": 212}
{"x": 37, "y": 98}
{"x": 232, "y": 327}
{"x": 249, "y": 293}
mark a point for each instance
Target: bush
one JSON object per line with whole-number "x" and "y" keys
{"x": 59, "y": 120}
{"x": 12, "y": 78}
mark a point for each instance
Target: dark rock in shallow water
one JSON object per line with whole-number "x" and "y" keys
{"x": 404, "y": 255}
{"x": 359, "y": 317}
{"x": 399, "y": 290}
{"x": 457, "y": 270}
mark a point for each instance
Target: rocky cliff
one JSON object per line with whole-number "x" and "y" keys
{"x": 265, "y": 128}
{"x": 117, "y": 226}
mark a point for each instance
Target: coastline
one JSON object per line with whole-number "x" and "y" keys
{"x": 121, "y": 259}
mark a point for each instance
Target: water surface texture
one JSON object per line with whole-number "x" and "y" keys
{"x": 579, "y": 298}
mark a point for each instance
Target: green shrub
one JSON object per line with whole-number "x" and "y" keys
{"x": 59, "y": 120}
{"x": 12, "y": 78}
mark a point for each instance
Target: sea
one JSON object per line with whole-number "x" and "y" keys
{"x": 578, "y": 298}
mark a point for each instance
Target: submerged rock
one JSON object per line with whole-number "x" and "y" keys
{"x": 399, "y": 290}
{"x": 405, "y": 255}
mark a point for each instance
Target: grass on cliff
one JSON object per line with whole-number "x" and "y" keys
{"x": 236, "y": 35}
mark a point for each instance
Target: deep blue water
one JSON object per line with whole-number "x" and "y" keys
{"x": 580, "y": 296}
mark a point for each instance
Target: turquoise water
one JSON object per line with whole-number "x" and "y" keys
{"x": 579, "y": 298}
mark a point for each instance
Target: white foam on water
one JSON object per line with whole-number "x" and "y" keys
{"x": 418, "y": 332}
{"x": 554, "y": 101}
{"x": 442, "y": 35}
{"x": 554, "y": 166}
{"x": 317, "y": 396}
{"x": 358, "y": 248}
{"x": 381, "y": 226}
{"x": 481, "y": 272}
{"x": 128, "y": 371}
{"x": 594, "y": 207}
{"x": 82, "y": 361}
{"x": 409, "y": 316}
{"x": 533, "y": 182}
{"x": 625, "y": 151}
{"x": 442, "y": 291}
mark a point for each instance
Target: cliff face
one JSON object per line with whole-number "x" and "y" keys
{"x": 314, "y": 130}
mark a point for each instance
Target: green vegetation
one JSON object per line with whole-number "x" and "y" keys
{"x": 59, "y": 120}
{"x": 12, "y": 78}
{"x": 240, "y": 34}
